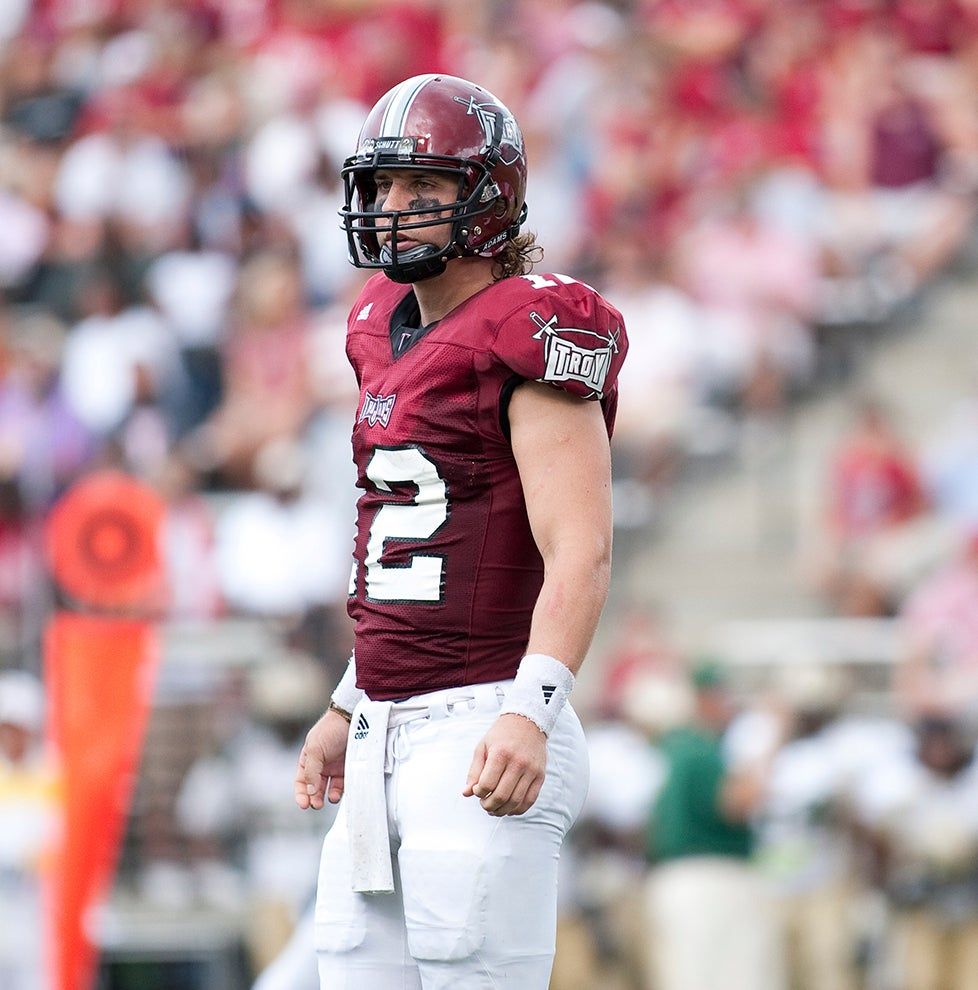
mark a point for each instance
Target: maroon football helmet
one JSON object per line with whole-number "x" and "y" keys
{"x": 442, "y": 124}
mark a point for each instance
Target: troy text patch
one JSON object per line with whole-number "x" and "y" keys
{"x": 569, "y": 361}
{"x": 377, "y": 409}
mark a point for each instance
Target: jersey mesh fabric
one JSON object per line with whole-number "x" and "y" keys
{"x": 446, "y": 572}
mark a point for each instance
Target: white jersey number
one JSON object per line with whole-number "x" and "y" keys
{"x": 419, "y": 519}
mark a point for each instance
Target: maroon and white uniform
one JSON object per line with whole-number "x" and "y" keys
{"x": 419, "y": 888}
{"x": 446, "y": 572}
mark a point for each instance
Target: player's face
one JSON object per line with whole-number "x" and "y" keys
{"x": 409, "y": 189}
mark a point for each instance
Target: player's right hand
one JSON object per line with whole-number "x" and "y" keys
{"x": 319, "y": 774}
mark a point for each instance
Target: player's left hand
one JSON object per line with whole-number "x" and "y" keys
{"x": 508, "y": 767}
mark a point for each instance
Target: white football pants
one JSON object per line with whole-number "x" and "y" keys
{"x": 475, "y": 899}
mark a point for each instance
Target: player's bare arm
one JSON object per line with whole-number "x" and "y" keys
{"x": 561, "y": 448}
{"x": 319, "y": 774}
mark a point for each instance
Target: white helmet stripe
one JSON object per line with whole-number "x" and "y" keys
{"x": 396, "y": 114}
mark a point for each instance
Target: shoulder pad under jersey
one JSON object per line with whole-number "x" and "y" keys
{"x": 562, "y": 332}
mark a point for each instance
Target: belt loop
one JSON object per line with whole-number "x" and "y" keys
{"x": 489, "y": 697}
{"x": 438, "y": 709}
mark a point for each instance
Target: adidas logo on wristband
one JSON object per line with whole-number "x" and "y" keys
{"x": 539, "y": 690}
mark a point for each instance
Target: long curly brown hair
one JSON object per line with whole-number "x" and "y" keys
{"x": 518, "y": 257}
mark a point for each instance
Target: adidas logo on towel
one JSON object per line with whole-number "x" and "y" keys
{"x": 548, "y": 692}
{"x": 363, "y": 728}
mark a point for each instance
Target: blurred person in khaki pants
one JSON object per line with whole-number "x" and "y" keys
{"x": 920, "y": 810}
{"x": 804, "y": 827}
{"x": 602, "y": 936}
{"x": 711, "y": 917}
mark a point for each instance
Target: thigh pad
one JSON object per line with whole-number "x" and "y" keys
{"x": 445, "y": 895}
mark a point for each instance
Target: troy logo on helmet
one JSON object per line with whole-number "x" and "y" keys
{"x": 489, "y": 116}
{"x": 377, "y": 409}
{"x": 567, "y": 361}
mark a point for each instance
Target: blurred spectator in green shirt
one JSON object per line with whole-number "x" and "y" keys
{"x": 712, "y": 919}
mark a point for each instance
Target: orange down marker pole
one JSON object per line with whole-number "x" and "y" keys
{"x": 100, "y": 668}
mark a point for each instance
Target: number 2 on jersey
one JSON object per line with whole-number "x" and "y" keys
{"x": 417, "y": 520}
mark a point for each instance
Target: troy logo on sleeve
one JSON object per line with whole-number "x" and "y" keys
{"x": 569, "y": 361}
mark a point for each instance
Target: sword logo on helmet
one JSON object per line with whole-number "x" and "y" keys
{"x": 492, "y": 117}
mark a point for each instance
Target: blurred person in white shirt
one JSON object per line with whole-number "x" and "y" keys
{"x": 920, "y": 809}
{"x": 669, "y": 372}
{"x": 804, "y": 831}
{"x": 280, "y": 551}
{"x": 28, "y": 823}
{"x": 125, "y": 174}
{"x": 112, "y": 354}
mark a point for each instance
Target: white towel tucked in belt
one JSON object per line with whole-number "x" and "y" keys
{"x": 366, "y": 800}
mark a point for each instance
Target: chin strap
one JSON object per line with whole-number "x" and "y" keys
{"x": 427, "y": 263}
{"x": 416, "y": 271}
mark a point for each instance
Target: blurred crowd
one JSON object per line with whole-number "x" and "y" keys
{"x": 900, "y": 539}
{"x": 784, "y": 838}
{"x": 740, "y": 177}
{"x": 758, "y": 185}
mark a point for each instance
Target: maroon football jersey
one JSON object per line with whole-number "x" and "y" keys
{"x": 446, "y": 572}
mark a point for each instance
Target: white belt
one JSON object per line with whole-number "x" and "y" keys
{"x": 449, "y": 702}
{"x": 365, "y": 793}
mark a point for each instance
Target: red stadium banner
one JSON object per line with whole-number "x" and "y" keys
{"x": 100, "y": 674}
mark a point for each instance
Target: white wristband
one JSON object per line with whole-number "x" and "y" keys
{"x": 347, "y": 695}
{"x": 541, "y": 687}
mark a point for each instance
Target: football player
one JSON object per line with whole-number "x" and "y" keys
{"x": 481, "y": 561}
